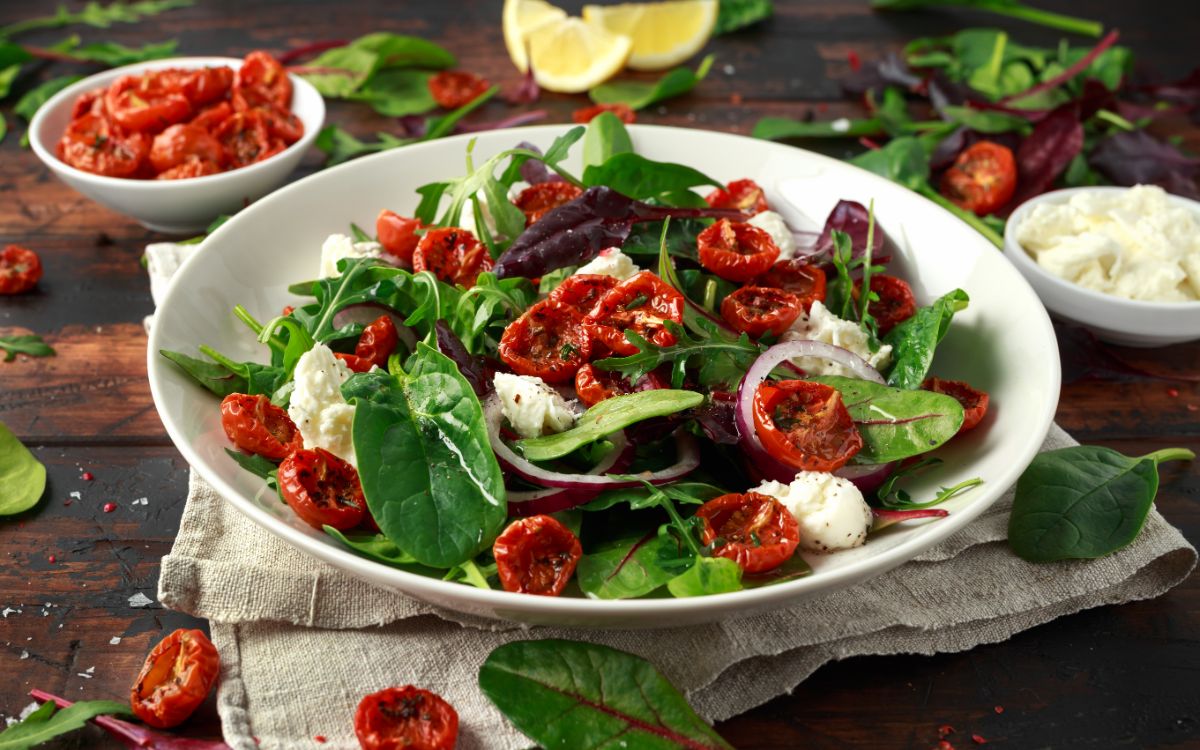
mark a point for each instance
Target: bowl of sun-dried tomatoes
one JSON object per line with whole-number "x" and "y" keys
{"x": 176, "y": 143}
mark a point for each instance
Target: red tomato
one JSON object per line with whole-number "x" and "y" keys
{"x": 974, "y": 402}
{"x": 640, "y": 304}
{"x": 176, "y": 678}
{"x": 89, "y": 102}
{"x": 547, "y": 342}
{"x": 207, "y": 85}
{"x": 193, "y": 167}
{"x": 743, "y": 195}
{"x": 323, "y": 489}
{"x": 755, "y": 531}
{"x": 580, "y": 292}
{"x": 281, "y": 123}
{"x": 805, "y": 425}
{"x": 737, "y": 252}
{"x": 758, "y": 310}
{"x": 213, "y": 116}
{"x": 594, "y": 385}
{"x": 405, "y": 718}
{"x": 377, "y": 342}
{"x": 896, "y": 302}
{"x": 245, "y": 138}
{"x": 261, "y": 79}
{"x": 455, "y": 88}
{"x": 453, "y": 255}
{"x": 798, "y": 277}
{"x": 536, "y": 555}
{"x": 982, "y": 179}
{"x": 398, "y": 234}
{"x": 586, "y": 114}
{"x": 257, "y": 426}
{"x": 538, "y": 200}
{"x": 20, "y": 269}
{"x": 178, "y": 143}
{"x": 140, "y": 104}
{"x": 91, "y": 144}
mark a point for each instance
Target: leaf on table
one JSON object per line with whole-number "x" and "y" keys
{"x": 113, "y": 54}
{"x": 641, "y": 94}
{"x": 28, "y": 344}
{"x": 398, "y": 92}
{"x": 777, "y": 128}
{"x": 46, "y": 723}
{"x": 734, "y": 15}
{"x": 903, "y": 160}
{"x": 28, "y": 104}
{"x": 95, "y": 14}
{"x": 22, "y": 477}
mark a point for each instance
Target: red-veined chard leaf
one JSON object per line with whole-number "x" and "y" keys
{"x": 1047, "y": 151}
{"x": 134, "y": 736}
{"x": 47, "y": 722}
{"x": 1138, "y": 158}
{"x": 624, "y": 569}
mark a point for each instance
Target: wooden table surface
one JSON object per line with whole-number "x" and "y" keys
{"x": 1115, "y": 676}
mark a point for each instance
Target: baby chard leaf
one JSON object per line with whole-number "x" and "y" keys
{"x": 46, "y": 723}
{"x": 22, "y": 477}
{"x": 624, "y": 569}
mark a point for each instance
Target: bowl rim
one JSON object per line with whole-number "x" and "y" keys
{"x": 607, "y": 612}
{"x": 45, "y": 153}
{"x": 1025, "y": 262}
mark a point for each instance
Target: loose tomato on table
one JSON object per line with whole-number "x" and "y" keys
{"x": 759, "y": 310}
{"x": 179, "y": 143}
{"x": 742, "y": 195}
{"x": 581, "y": 291}
{"x": 20, "y": 269}
{"x": 377, "y": 342}
{"x": 642, "y": 304}
{"x": 982, "y": 179}
{"x": 143, "y": 103}
{"x": 536, "y": 555}
{"x": 585, "y": 115}
{"x": 257, "y": 426}
{"x": 262, "y": 79}
{"x": 547, "y": 342}
{"x": 405, "y": 718}
{"x": 93, "y": 145}
{"x": 896, "y": 302}
{"x": 737, "y": 252}
{"x": 974, "y": 401}
{"x": 176, "y": 678}
{"x": 453, "y": 255}
{"x": 795, "y": 275}
{"x": 323, "y": 489}
{"x": 398, "y": 234}
{"x": 755, "y": 531}
{"x": 594, "y": 385}
{"x": 538, "y": 200}
{"x": 805, "y": 425}
{"x": 455, "y": 88}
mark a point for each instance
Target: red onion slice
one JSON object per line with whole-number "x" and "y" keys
{"x": 365, "y": 313}
{"x": 547, "y": 501}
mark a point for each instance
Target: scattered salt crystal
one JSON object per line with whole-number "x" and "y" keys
{"x": 142, "y": 501}
{"x": 140, "y": 600}
{"x": 84, "y": 675}
{"x": 8, "y": 611}
{"x": 114, "y": 640}
{"x": 840, "y": 125}
{"x": 24, "y": 654}
{"x": 28, "y": 710}
{"x": 728, "y": 69}
{"x": 90, "y": 670}
{"x": 77, "y": 495}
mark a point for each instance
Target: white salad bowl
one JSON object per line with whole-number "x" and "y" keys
{"x": 1115, "y": 319}
{"x": 173, "y": 206}
{"x": 1003, "y": 343}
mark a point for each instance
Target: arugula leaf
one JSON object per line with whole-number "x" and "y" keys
{"x": 95, "y": 14}
{"x": 606, "y": 136}
{"x": 484, "y": 310}
{"x": 721, "y": 360}
{"x": 379, "y": 548}
{"x": 22, "y": 477}
{"x": 1010, "y": 8}
{"x": 46, "y": 723}
{"x": 224, "y": 376}
{"x": 637, "y": 177}
{"x": 28, "y": 344}
{"x": 638, "y": 498}
{"x": 733, "y": 15}
{"x": 914, "y": 340}
{"x": 641, "y": 94}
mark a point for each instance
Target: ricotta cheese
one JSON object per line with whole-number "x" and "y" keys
{"x": 1135, "y": 243}
{"x": 774, "y": 225}
{"x": 532, "y": 407}
{"x": 821, "y": 325}
{"x": 339, "y": 246}
{"x": 323, "y": 417}
{"x": 830, "y": 510}
{"x": 611, "y": 262}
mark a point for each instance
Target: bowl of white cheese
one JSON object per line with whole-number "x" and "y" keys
{"x": 1122, "y": 262}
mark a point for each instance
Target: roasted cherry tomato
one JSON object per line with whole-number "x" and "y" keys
{"x": 974, "y": 402}
{"x": 140, "y": 103}
{"x": 453, "y": 255}
{"x": 580, "y": 292}
{"x": 737, "y": 252}
{"x": 896, "y": 302}
{"x": 405, "y": 718}
{"x": 213, "y": 116}
{"x": 207, "y": 85}
{"x": 758, "y": 310}
{"x": 193, "y": 167}
{"x": 982, "y": 179}
{"x": 805, "y": 425}
{"x": 257, "y": 426}
{"x": 377, "y": 342}
{"x": 537, "y": 200}
{"x": 261, "y": 79}
{"x": 640, "y": 304}
{"x": 536, "y": 555}
{"x": 398, "y": 234}
{"x": 547, "y": 342}
{"x": 246, "y": 138}
{"x": 594, "y": 385}
{"x": 89, "y": 102}
{"x": 178, "y": 143}
{"x": 755, "y": 531}
{"x": 798, "y": 277}
{"x": 281, "y": 123}
{"x": 455, "y": 88}
{"x": 323, "y": 489}
{"x": 91, "y": 144}
{"x": 178, "y": 675}
{"x": 743, "y": 195}
{"x": 623, "y": 112}
{"x": 20, "y": 269}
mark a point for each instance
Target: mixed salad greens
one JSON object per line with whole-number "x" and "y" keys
{"x": 493, "y": 391}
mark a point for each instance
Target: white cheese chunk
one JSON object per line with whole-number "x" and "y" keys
{"x": 339, "y": 246}
{"x": 532, "y": 407}
{"x": 323, "y": 417}
{"x": 821, "y": 325}
{"x": 774, "y": 225}
{"x": 611, "y": 262}
{"x": 830, "y": 510}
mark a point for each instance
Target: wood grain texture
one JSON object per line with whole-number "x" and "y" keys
{"x": 1117, "y": 676}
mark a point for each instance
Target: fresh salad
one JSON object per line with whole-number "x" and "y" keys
{"x": 634, "y": 381}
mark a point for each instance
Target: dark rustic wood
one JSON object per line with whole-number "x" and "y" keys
{"x": 1116, "y": 676}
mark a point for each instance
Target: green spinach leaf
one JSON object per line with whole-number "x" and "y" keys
{"x": 223, "y": 376}
{"x": 915, "y": 340}
{"x": 641, "y": 94}
{"x": 46, "y": 723}
{"x": 733, "y": 15}
{"x": 29, "y": 344}
{"x": 22, "y": 477}
{"x": 641, "y": 178}
{"x": 28, "y": 104}
{"x": 606, "y": 136}
{"x": 95, "y": 14}
{"x": 399, "y": 92}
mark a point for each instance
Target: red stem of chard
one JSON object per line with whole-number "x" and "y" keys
{"x": 1109, "y": 40}
{"x": 135, "y": 735}
{"x": 306, "y": 50}
{"x": 309, "y": 70}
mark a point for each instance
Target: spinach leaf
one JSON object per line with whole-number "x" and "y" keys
{"x": 22, "y": 477}
{"x": 113, "y": 54}
{"x": 396, "y": 93}
{"x": 776, "y": 128}
{"x": 428, "y": 471}
{"x": 606, "y": 136}
{"x": 95, "y": 14}
{"x": 1083, "y": 502}
{"x": 641, "y": 94}
{"x": 357, "y": 64}
{"x": 224, "y": 376}
{"x": 896, "y": 424}
{"x": 733, "y": 15}
{"x": 46, "y": 723}
{"x": 903, "y": 160}
{"x": 608, "y": 693}
{"x": 640, "y": 178}
{"x": 28, "y": 344}
{"x": 914, "y": 341}
{"x": 379, "y": 548}
{"x": 28, "y": 104}
{"x": 624, "y": 569}
{"x": 607, "y": 417}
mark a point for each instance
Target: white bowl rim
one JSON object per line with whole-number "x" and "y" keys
{"x": 105, "y": 77}
{"x": 497, "y": 600}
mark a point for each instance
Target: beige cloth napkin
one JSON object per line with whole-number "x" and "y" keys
{"x": 301, "y": 642}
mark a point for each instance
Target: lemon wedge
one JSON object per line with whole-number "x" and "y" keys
{"x": 664, "y": 34}
{"x": 570, "y": 55}
{"x": 521, "y": 17}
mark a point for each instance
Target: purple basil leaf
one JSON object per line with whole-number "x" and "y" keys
{"x": 471, "y": 367}
{"x": 1046, "y": 152}
{"x": 533, "y": 171}
{"x": 852, "y": 218}
{"x": 1133, "y": 158}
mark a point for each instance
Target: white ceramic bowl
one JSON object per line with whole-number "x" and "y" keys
{"x": 1002, "y": 343}
{"x": 173, "y": 206}
{"x": 1114, "y": 319}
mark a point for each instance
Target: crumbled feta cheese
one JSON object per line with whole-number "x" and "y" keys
{"x": 774, "y": 225}
{"x": 830, "y": 510}
{"x": 317, "y": 407}
{"x": 1135, "y": 244}
{"x": 611, "y": 262}
{"x": 339, "y": 246}
{"x": 532, "y": 407}
{"x": 467, "y": 219}
{"x": 840, "y": 125}
{"x": 821, "y": 325}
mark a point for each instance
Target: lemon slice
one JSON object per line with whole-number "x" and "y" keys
{"x": 571, "y": 55}
{"x": 664, "y": 34}
{"x": 521, "y": 17}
